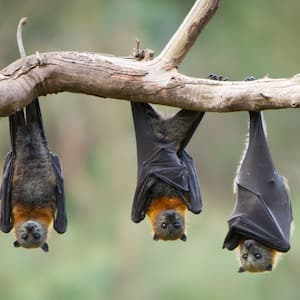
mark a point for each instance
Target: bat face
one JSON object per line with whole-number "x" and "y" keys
{"x": 255, "y": 257}
{"x": 169, "y": 225}
{"x": 31, "y": 234}
{"x": 167, "y": 216}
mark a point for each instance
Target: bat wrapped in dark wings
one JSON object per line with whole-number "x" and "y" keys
{"x": 260, "y": 224}
{"x": 32, "y": 191}
{"x": 167, "y": 182}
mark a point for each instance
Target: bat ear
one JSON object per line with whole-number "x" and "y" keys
{"x": 269, "y": 268}
{"x": 155, "y": 237}
{"x": 241, "y": 270}
{"x": 16, "y": 244}
{"x": 45, "y": 247}
{"x": 183, "y": 238}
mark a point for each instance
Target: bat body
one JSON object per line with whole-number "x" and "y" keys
{"x": 260, "y": 224}
{"x": 32, "y": 191}
{"x": 167, "y": 183}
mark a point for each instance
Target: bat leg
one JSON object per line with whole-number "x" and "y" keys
{"x": 6, "y": 222}
{"x": 33, "y": 114}
{"x": 60, "y": 221}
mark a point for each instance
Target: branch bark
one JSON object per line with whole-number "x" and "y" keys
{"x": 155, "y": 81}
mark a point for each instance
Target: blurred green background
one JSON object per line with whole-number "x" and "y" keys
{"x": 104, "y": 255}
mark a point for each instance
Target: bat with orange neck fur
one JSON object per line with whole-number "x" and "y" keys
{"x": 32, "y": 191}
{"x": 167, "y": 184}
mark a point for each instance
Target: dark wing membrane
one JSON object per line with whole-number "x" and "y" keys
{"x": 6, "y": 221}
{"x": 195, "y": 203}
{"x": 164, "y": 159}
{"x": 142, "y": 198}
{"x": 60, "y": 220}
{"x": 253, "y": 219}
{"x": 263, "y": 209}
{"x": 190, "y": 120}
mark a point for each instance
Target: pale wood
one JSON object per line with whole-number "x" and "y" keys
{"x": 156, "y": 81}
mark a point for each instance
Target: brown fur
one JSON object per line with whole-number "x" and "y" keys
{"x": 159, "y": 208}
{"x": 164, "y": 203}
{"x": 42, "y": 215}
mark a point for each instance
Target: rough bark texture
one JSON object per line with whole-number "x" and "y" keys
{"x": 155, "y": 81}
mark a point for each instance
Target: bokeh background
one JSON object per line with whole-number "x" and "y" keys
{"x": 104, "y": 255}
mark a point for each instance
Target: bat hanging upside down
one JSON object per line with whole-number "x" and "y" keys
{"x": 32, "y": 191}
{"x": 167, "y": 184}
{"x": 261, "y": 222}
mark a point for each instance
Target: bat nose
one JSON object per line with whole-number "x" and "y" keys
{"x": 170, "y": 214}
{"x": 248, "y": 244}
{"x": 30, "y": 226}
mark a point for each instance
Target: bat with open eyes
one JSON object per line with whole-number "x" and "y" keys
{"x": 167, "y": 184}
{"x": 261, "y": 221}
{"x": 32, "y": 191}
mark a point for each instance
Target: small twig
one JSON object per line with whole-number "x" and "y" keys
{"x": 21, "y": 24}
{"x": 142, "y": 54}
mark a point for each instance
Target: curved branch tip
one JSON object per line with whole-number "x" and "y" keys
{"x": 21, "y": 24}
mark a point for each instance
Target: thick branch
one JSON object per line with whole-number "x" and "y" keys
{"x": 113, "y": 77}
{"x": 155, "y": 81}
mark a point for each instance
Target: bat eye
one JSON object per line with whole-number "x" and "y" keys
{"x": 24, "y": 236}
{"x": 257, "y": 255}
{"x": 163, "y": 225}
{"x": 176, "y": 225}
{"x": 37, "y": 236}
{"x": 245, "y": 256}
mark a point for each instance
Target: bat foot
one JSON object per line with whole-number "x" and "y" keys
{"x": 218, "y": 77}
{"x": 249, "y": 78}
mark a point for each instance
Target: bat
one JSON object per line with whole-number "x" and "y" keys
{"x": 32, "y": 190}
{"x": 167, "y": 184}
{"x": 260, "y": 224}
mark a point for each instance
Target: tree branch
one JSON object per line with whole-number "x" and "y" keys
{"x": 154, "y": 81}
{"x": 184, "y": 38}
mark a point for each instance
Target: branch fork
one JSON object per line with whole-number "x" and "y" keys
{"x": 138, "y": 79}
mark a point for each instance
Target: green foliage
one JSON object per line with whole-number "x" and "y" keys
{"x": 104, "y": 255}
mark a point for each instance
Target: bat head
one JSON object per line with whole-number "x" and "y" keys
{"x": 169, "y": 225}
{"x": 31, "y": 234}
{"x": 255, "y": 257}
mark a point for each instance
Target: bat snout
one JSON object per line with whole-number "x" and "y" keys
{"x": 31, "y": 234}
{"x": 30, "y": 226}
{"x": 248, "y": 244}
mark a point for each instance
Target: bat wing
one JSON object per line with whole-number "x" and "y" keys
{"x": 263, "y": 209}
{"x": 194, "y": 204}
{"x": 60, "y": 221}
{"x": 254, "y": 219}
{"x": 6, "y": 222}
{"x": 158, "y": 161}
